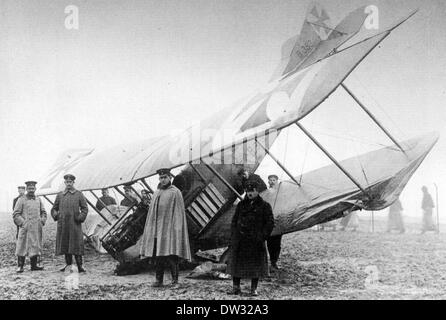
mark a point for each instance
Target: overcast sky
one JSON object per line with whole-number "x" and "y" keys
{"x": 137, "y": 69}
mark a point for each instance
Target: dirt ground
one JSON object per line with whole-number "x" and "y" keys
{"x": 314, "y": 265}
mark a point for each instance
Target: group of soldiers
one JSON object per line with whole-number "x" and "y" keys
{"x": 395, "y": 217}
{"x": 165, "y": 239}
{"x": 69, "y": 210}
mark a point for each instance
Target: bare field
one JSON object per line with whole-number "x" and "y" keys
{"x": 314, "y": 265}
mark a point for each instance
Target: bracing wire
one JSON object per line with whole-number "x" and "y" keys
{"x": 403, "y": 134}
{"x": 286, "y": 150}
{"x": 307, "y": 145}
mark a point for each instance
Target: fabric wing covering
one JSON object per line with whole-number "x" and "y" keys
{"x": 280, "y": 104}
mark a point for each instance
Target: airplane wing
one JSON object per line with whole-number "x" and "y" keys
{"x": 279, "y": 104}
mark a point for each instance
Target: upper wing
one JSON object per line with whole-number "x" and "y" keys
{"x": 278, "y": 105}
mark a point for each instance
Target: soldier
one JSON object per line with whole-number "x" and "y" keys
{"x": 129, "y": 200}
{"x": 246, "y": 177}
{"x": 30, "y": 216}
{"x": 251, "y": 225}
{"x": 165, "y": 237}
{"x": 427, "y": 205}
{"x": 21, "y": 190}
{"x": 273, "y": 243}
{"x": 395, "y": 217}
{"x": 70, "y": 211}
{"x": 105, "y": 200}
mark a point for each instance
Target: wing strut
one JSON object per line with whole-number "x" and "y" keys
{"x": 203, "y": 179}
{"x": 102, "y": 202}
{"x": 48, "y": 199}
{"x": 372, "y": 117}
{"x": 278, "y": 162}
{"x": 222, "y": 179}
{"x": 144, "y": 182}
{"x": 136, "y": 192}
{"x": 309, "y": 135}
{"x": 98, "y": 212}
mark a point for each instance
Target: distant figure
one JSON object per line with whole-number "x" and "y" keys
{"x": 395, "y": 217}
{"x": 427, "y": 205}
{"x": 146, "y": 199}
{"x": 246, "y": 177}
{"x": 21, "y": 190}
{"x": 351, "y": 221}
{"x": 105, "y": 200}
{"x": 165, "y": 237}
{"x": 129, "y": 200}
{"x": 331, "y": 224}
{"x": 251, "y": 225}
{"x": 30, "y": 216}
{"x": 70, "y": 211}
{"x": 274, "y": 242}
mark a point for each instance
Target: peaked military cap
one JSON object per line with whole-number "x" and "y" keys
{"x": 251, "y": 185}
{"x": 69, "y": 177}
{"x": 163, "y": 171}
{"x": 30, "y": 183}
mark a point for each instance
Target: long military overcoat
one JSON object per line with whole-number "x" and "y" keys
{"x": 251, "y": 225}
{"x": 166, "y": 222}
{"x": 69, "y": 210}
{"x": 30, "y": 216}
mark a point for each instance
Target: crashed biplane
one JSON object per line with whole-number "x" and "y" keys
{"x": 312, "y": 67}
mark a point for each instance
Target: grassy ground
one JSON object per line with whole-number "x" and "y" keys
{"x": 314, "y": 265}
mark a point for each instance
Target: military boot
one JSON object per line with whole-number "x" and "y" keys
{"x": 254, "y": 284}
{"x": 159, "y": 274}
{"x": 236, "y": 289}
{"x": 20, "y": 263}
{"x": 79, "y": 263}
{"x": 34, "y": 266}
{"x": 174, "y": 272}
{"x": 68, "y": 262}
{"x": 159, "y": 279}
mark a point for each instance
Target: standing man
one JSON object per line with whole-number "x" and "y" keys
{"x": 21, "y": 190}
{"x": 165, "y": 235}
{"x": 30, "y": 216}
{"x": 251, "y": 225}
{"x": 395, "y": 217}
{"x": 246, "y": 177}
{"x": 104, "y": 200}
{"x": 129, "y": 200}
{"x": 427, "y": 205}
{"x": 274, "y": 242}
{"x": 70, "y": 210}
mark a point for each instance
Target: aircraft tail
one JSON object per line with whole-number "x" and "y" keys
{"x": 318, "y": 39}
{"x": 316, "y": 28}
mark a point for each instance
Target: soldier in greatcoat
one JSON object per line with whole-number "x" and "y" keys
{"x": 70, "y": 211}
{"x": 396, "y": 217}
{"x": 166, "y": 238}
{"x": 251, "y": 225}
{"x": 427, "y": 205}
{"x": 30, "y": 216}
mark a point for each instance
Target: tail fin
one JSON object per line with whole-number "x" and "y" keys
{"x": 314, "y": 30}
{"x": 318, "y": 39}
